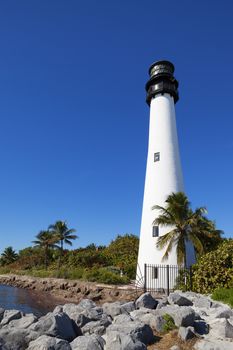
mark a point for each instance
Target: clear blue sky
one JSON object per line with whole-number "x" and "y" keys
{"x": 74, "y": 122}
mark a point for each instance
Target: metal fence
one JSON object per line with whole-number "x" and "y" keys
{"x": 166, "y": 278}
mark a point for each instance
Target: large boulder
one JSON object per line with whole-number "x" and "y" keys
{"x": 223, "y": 312}
{"x": 96, "y": 327}
{"x": 128, "y": 307}
{"x": 88, "y": 342}
{"x": 44, "y": 342}
{"x": 24, "y": 322}
{"x": 179, "y": 299}
{"x": 221, "y": 328}
{"x": 10, "y": 315}
{"x": 201, "y": 327}
{"x": 1, "y": 313}
{"x": 203, "y": 302}
{"x": 55, "y": 325}
{"x": 16, "y": 339}
{"x": 185, "y": 316}
{"x": 87, "y": 304}
{"x": 119, "y": 341}
{"x": 146, "y": 300}
{"x": 112, "y": 309}
{"x": 156, "y": 322}
{"x": 137, "y": 330}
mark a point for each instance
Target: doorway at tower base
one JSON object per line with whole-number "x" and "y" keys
{"x": 164, "y": 278}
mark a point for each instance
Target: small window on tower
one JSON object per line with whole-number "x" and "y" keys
{"x": 155, "y": 231}
{"x": 157, "y": 156}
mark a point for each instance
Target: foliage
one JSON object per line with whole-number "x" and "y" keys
{"x": 187, "y": 226}
{"x": 123, "y": 252}
{"x": 224, "y": 295}
{"x": 88, "y": 258}
{"x": 170, "y": 324}
{"x": 45, "y": 240}
{"x": 8, "y": 256}
{"x": 183, "y": 281}
{"x": 214, "y": 269}
{"x": 103, "y": 275}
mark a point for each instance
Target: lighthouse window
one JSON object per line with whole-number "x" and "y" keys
{"x": 155, "y": 231}
{"x": 157, "y": 156}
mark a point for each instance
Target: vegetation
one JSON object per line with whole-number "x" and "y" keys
{"x": 186, "y": 225}
{"x": 215, "y": 269}
{"x": 8, "y": 256}
{"x": 170, "y": 324}
{"x": 224, "y": 295}
{"x": 45, "y": 240}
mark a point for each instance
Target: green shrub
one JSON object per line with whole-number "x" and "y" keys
{"x": 224, "y": 295}
{"x": 170, "y": 324}
{"x": 215, "y": 269}
{"x": 103, "y": 275}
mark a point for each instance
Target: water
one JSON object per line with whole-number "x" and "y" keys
{"x": 28, "y": 301}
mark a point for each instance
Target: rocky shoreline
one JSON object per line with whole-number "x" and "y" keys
{"x": 199, "y": 323}
{"x": 65, "y": 290}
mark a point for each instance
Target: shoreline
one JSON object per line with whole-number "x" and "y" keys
{"x": 71, "y": 291}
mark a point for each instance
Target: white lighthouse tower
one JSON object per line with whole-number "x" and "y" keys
{"x": 163, "y": 170}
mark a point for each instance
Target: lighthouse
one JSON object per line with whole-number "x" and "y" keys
{"x": 163, "y": 169}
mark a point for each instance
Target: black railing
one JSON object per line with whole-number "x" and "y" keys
{"x": 166, "y": 278}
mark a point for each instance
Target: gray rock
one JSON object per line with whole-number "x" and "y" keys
{"x": 178, "y": 299}
{"x": 58, "y": 308}
{"x": 16, "y": 339}
{"x": 112, "y": 309}
{"x": 222, "y": 328}
{"x": 138, "y": 313}
{"x": 10, "y": 315}
{"x": 119, "y": 341}
{"x": 137, "y": 330}
{"x": 44, "y": 342}
{"x": 175, "y": 347}
{"x": 87, "y": 304}
{"x": 128, "y": 307}
{"x": 201, "y": 327}
{"x": 24, "y": 322}
{"x": 81, "y": 320}
{"x": 96, "y": 327}
{"x": 213, "y": 345}
{"x": 120, "y": 319}
{"x": 185, "y": 316}
{"x": 55, "y": 325}
{"x": 186, "y": 333}
{"x": 1, "y": 313}
{"x": 203, "y": 302}
{"x": 223, "y": 312}
{"x": 146, "y": 300}
{"x": 72, "y": 310}
{"x": 90, "y": 342}
{"x": 156, "y": 322}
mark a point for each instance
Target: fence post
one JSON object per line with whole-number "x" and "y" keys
{"x": 145, "y": 282}
{"x": 168, "y": 287}
{"x": 191, "y": 278}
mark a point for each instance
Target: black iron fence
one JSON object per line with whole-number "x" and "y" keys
{"x": 166, "y": 278}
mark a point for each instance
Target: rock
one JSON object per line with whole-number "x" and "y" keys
{"x": 213, "y": 345}
{"x": 96, "y": 327}
{"x": 178, "y": 299}
{"x": 55, "y": 325}
{"x": 201, "y": 327}
{"x": 10, "y": 315}
{"x": 120, "y": 319}
{"x": 146, "y": 300}
{"x": 58, "y": 308}
{"x": 128, "y": 307}
{"x": 16, "y": 339}
{"x": 44, "y": 342}
{"x": 24, "y": 322}
{"x": 184, "y": 316}
{"x": 154, "y": 321}
{"x": 72, "y": 310}
{"x": 94, "y": 314}
{"x": 223, "y": 312}
{"x": 90, "y": 342}
{"x": 81, "y": 320}
{"x": 137, "y": 330}
{"x": 112, "y": 309}
{"x": 119, "y": 341}
{"x": 87, "y": 304}
{"x": 175, "y": 347}
{"x": 1, "y": 313}
{"x": 203, "y": 302}
{"x": 221, "y": 328}
{"x": 186, "y": 333}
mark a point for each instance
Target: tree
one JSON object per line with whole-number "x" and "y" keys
{"x": 8, "y": 256}
{"x": 46, "y": 240}
{"x": 63, "y": 234}
{"x": 184, "y": 224}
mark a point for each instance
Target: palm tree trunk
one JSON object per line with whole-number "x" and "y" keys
{"x": 61, "y": 253}
{"x": 46, "y": 258}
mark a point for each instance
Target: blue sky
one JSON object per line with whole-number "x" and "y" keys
{"x": 74, "y": 122}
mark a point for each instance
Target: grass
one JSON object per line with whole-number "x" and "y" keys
{"x": 225, "y": 295}
{"x": 170, "y": 324}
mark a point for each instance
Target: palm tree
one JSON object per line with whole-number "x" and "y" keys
{"x": 63, "y": 234}
{"x": 185, "y": 225}
{"x": 8, "y": 256}
{"x": 45, "y": 240}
